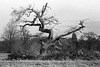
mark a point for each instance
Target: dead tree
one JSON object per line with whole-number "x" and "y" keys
{"x": 40, "y": 16}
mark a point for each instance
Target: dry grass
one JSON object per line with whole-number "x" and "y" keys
{"x": 40, "y": 63}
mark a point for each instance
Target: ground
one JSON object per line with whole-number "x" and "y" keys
{"x": 40, "y": 63}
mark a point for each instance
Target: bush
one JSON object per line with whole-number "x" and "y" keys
{"x": 17, "y": 57}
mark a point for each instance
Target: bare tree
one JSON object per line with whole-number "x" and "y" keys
{"x": 24, "y": 36}
{"x": 90, "y": 35}
{"x": 40, "y": 19}
{"x": 90, "y": 39}
{"x": 10, "y": 31}
{"x": 10, "y": 34}
{"x": 24, "y": 33}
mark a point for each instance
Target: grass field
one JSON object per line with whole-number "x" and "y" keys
{"x": 3, "y": 55}
{"x": 40, "y": 63}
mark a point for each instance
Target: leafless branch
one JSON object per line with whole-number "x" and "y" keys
{"x": 44, "y": 9}
{"x": 70, "y": 32}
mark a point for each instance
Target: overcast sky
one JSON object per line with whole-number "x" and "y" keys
{"x": 68, "y": 12}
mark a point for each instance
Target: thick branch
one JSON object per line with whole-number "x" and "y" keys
{"x": 41, "y": 29}
{"x": 30, "y": 25}
{"x": 68, "y": 33}
{"x": 47, "y": 31}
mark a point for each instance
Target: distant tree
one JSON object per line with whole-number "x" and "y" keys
{"x": 74, "y": 37}
{"x": 90, "y": 40}
{"x": 24, "y": 36}
{"x": 10, "y": 34}
{"x": 75, "y": 41}
{"x": 24, "y": 33}
{"x": 90, "y": 35}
